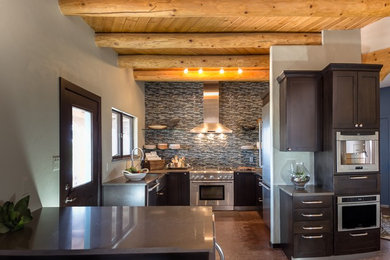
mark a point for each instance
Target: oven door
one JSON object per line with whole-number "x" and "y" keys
{"x": 358, "y": 216}
{"x": 218, "y": 194}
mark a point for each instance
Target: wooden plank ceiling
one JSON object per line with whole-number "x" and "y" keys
{"x": 158, "y": 39}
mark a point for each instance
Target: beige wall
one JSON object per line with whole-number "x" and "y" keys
{"x": 38, "y": 45}
{"x": 338, "y": 47}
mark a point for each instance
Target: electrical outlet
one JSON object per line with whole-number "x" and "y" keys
{"x": 251, "y": 159}
{"x": 55, "y": 162}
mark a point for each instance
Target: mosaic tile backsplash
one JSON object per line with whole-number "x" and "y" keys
{"x": 240, "y": 104}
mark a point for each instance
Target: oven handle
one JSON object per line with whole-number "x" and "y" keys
{"x": 358, "y": 177}
{"x": 359, "y": 234}
{"x": 211, "y": 181}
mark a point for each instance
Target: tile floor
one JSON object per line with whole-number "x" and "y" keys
{"x": 243, "y": 235}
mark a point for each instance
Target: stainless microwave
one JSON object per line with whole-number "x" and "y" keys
{"x": 357, "y": 152}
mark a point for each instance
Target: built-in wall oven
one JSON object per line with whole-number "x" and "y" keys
{"x": 358, "y": 212}
{"x": 212, "y": 188}
{"x": 357, "y": 152}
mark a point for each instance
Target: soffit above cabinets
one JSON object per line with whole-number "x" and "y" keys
{"x": 159, "y": 39}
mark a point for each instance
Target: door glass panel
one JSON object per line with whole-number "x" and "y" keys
{"x": 357, "y": 152}
{"x": 126, "y": 135}
{"x": 81, "y": 146}
{"x": 115, "y": 134}
{"x": 361, "y": 216}
{"x": 211, "y": 192}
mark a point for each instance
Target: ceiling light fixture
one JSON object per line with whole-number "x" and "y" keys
{"x": 239, "y": 71}
{"x": 186, "y": 70}
{"x": 200, "y": 71}
{"x": 221, "y": 71}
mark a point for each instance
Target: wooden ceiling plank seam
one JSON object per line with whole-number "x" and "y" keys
{"x": 226, "y": 8}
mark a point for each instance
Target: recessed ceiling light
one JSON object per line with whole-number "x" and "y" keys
{"x": 239, "y": 71}
{"x": 186, "y": 70}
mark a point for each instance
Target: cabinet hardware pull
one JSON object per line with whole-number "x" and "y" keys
{"x": 312, "y": 215}
{"x": 359, "y": 234}
{"x": 358, "y": 177}
{"x": 260, "y": 200}
{"x": 313, "y": 228}
{"x": 312, "y": 202}
{"x": 361, "y": 125}
{"x": 160, "y": 193}
{"x": 312, "y": 237}
{"x": 288, "y": 149}
{"x": 154, "y": 187}
{"x": 356, "y": 125}
{"x": 69, "y": 200}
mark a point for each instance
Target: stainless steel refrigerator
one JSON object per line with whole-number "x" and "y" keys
{"x": 265, "y": 155}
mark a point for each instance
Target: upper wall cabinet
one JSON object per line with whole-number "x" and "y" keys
{"x": 300, "y": 110}
{"x": 351, "y": 95}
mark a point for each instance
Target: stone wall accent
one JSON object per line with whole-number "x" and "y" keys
{"x": 240, "y": 103}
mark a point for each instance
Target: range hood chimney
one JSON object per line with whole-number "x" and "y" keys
{"x": 211, "y": 111}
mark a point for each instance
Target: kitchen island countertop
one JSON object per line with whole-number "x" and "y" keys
{"x": 113, "y": 231}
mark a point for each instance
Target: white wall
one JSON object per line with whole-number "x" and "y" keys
{"x": 338, "y": 47}
{"x": 38, "y": 45}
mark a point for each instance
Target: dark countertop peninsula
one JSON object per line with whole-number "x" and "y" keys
{"x": 114, "y": 231}
{"x": 308, "y": 191}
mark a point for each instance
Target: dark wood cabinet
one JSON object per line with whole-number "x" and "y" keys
{"x": 306, "y": 219}
{"x": 259, "y": 194}
{"x": 178, "y": 189}
{"x": 353, "y": 242}
{"x": 300, "y": 110}
{"x": 244, "y": 189}
{"x": 354, "y": 92}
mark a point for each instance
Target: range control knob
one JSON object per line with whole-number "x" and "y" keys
{"x": 211, "y": 176}
{"x": 220, "y": 177}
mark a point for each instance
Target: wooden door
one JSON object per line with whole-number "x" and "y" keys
{"x": 80, "y": 146}
{"x": 368, "y": 100}
{"x": 344, "y": 101}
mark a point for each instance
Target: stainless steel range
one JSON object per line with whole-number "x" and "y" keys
{"x": 212, "y": 187}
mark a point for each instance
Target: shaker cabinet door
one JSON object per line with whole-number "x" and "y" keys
{"x": 344, "y": 101}
{"x": 368, "y": 100}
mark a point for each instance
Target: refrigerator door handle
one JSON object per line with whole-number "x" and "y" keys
{"x": 265, "y": 186}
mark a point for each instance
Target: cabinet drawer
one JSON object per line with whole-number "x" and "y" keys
{"x": 313, "y": 214}
{"x": 312, "y": 202}
{"x": 351, "y": 242}
{"x": 313, "y": 245}
{"x": 349, "y": 184}
{"x": 310, "y": 227}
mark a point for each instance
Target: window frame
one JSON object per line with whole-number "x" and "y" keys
{"x": 133, "y": 133}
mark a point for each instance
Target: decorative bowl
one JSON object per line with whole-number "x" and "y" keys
{"x": 137, "y": 176}
{"x": 158, "y": 127}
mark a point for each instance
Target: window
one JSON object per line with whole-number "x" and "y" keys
{"x": 123, "y": 134}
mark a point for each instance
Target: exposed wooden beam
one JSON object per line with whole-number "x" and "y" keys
{"x": 204, "y": 40}
{"x": 207, "y": 75}
{"x": 177, "y": 61}
{"x": 379, "y": 57}
{"x": 226, "y": 8}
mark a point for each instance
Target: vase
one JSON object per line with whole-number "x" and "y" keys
{"x": 299, "y": 175}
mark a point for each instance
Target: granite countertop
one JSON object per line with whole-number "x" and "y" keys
{"x": 113, "y": 230}
{"x": 308, "y": 191}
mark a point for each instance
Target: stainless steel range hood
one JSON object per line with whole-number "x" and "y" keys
{"x": 211, "y": 111}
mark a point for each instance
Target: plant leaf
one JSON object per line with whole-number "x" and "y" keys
{"x": 3, "y": 228}
{"x": 22, "y": 204}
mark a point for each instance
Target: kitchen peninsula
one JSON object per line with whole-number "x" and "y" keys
{"x": 114, "y": 233}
